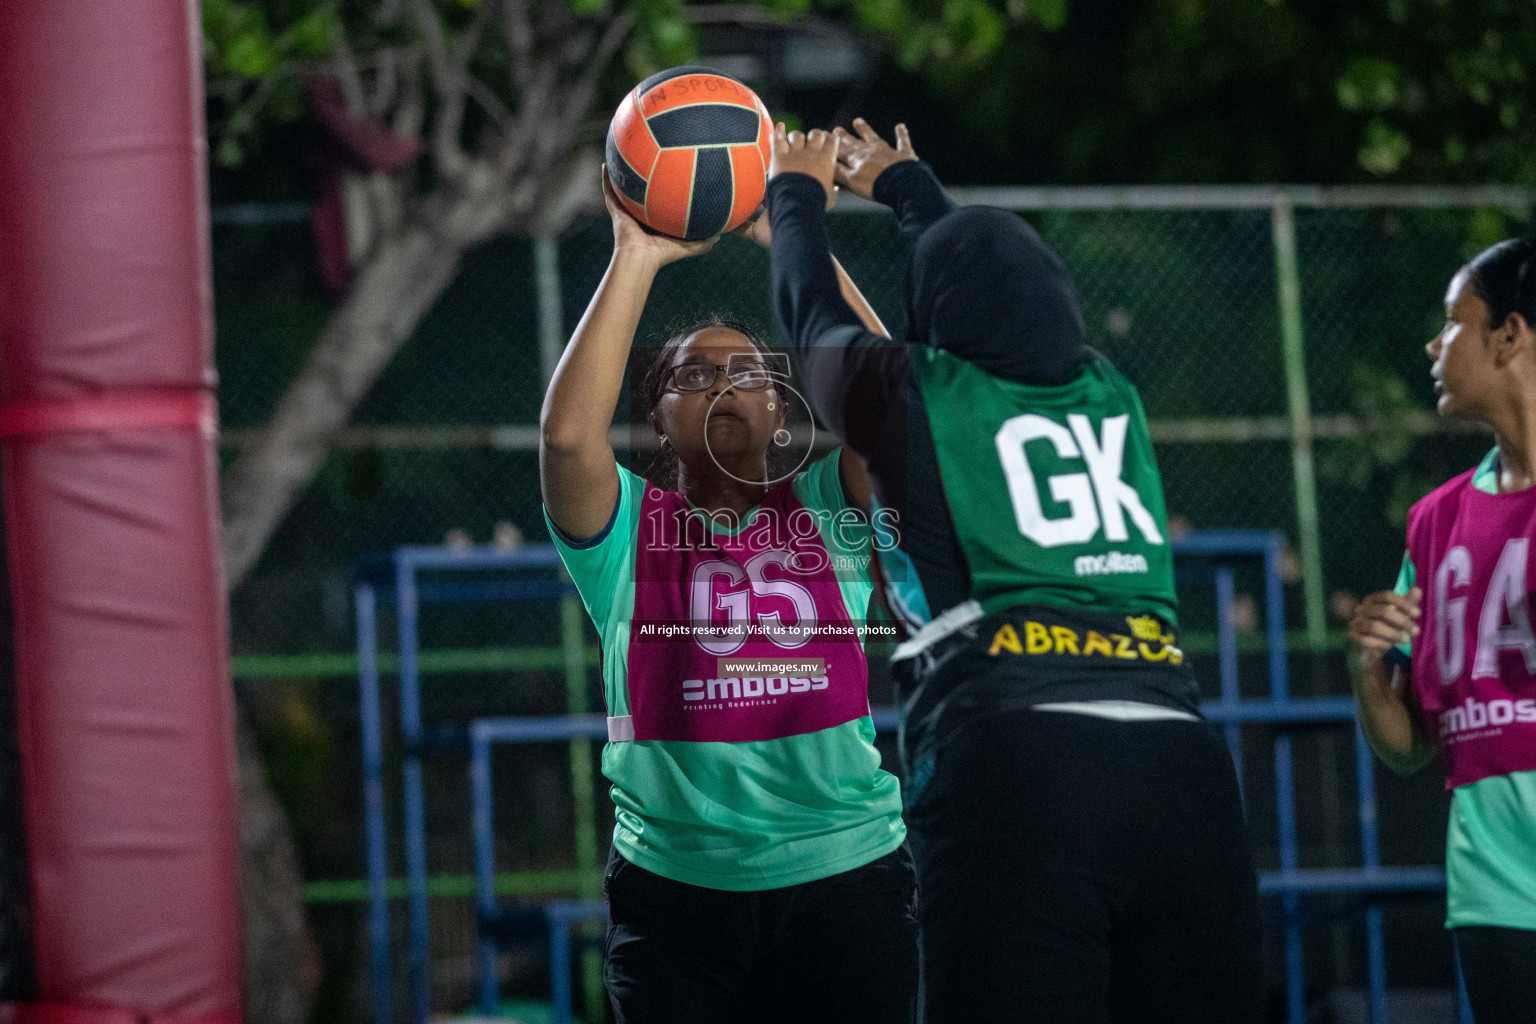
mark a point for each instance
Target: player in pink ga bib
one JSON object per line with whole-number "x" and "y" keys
{"x": 1446, "y": 661}
{"x": 1474, "y": 660}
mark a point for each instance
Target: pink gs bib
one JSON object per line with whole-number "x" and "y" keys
{"x": 768, "y": 592}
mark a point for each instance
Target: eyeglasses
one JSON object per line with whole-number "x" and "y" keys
{"x": 746, "y": 374}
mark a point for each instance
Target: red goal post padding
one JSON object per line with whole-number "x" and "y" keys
{"x": 111, "y": 512}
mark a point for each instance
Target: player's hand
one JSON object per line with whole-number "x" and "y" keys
{"x": 813, "y": 152}
{"x": 629, "y": 235}
{"x": 1382, "y": 621}
{"x": 757, "y": 229}
{"x": 862, "y": 157}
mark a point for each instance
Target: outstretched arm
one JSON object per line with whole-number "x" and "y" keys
{"x": 806, "y": 287}
{"x": 759, "y": 230}
{"x": 892, "y": 175}
{"x": 576, "y": 463}
{"x": 855, "y": 473}
{"x": 854, "y": 377}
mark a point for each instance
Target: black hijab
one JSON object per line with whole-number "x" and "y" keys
{"x": 985, "y": 287}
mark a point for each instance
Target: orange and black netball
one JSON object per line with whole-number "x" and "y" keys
{"x": 688, "y": 152}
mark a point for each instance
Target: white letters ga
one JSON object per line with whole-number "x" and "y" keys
{"x": 1504, "y": 624}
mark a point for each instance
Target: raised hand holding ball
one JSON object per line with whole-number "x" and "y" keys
{"x": 630, "y": 235}
{"x": 688, "y": 152}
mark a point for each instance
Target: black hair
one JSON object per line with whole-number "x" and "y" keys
{"x": 1504, "y": 277}
{"x": 663, "y": 468}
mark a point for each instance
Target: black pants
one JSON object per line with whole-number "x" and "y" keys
{"x": 1077, "y": 870}
{"x": 841, "y": 949}
{"x": 1499, "y": 967}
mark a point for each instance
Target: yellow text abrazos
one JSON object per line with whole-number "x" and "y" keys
{"x": 1039, "y": 639}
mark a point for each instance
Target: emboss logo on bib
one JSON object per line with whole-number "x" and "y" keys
{"x": 744, "y": 691}
{"x": 1475, "y": 715}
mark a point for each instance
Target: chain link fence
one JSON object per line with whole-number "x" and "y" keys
{"x": 1253, "y": 400}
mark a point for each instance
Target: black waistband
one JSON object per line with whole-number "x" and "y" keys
{"x": 1034, "y": 654}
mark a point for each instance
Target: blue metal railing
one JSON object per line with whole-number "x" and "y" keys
{"x": 399, "y": 579}
{"x": 1289, "y": 883}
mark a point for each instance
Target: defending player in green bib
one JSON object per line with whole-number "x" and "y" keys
{"x": 1077, "y": 828}
{"x": 1077, "y": 471}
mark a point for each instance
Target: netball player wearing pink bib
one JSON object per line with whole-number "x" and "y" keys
{"x": 1448, "y": 658}
{"x": 758, "y": 870}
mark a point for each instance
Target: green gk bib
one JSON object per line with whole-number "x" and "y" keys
{"x": 1054, "y": 491}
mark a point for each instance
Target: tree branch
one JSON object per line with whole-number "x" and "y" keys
{"x": 491, "y": 104}
{"x": 527, "y": 175}
{"x": 562, "y": 130}
{"x": 448, "y": 82}
{"x": 518, "y": 146}
{"x": 344, "y": 66}
{"x": 576, "y": 186}
{"x": 469, "y": 42}
{"x": 581, "y": 95}
{"x": 411, "y": 111}
{"x": 386, "y": 82}
{"x": 390, "y": 294}
{"x": 519, "y": 32}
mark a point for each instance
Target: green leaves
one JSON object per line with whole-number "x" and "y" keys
{"x": 973, "y": 25}
{"x": 1441, "y": 89}
{"x": 788, "y": 9}
{"x": 251, "y": 54}
{"x": 963, "y": 31}
{"x": 1371, "y": 85}
{"x": 1051, "y": 14}
{"x": 314, "y": 34}
{"x": 256, "y": 50}
{"x": 1383, "y": 149}
{"x": 238, "y": 38}
{"x": 1380, "y": 400}
{"x": 662, "y": 39}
